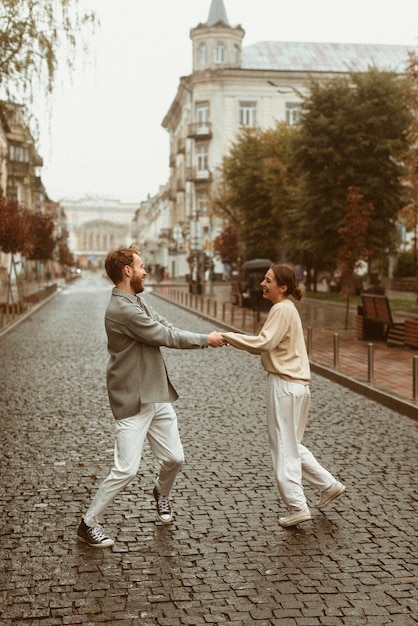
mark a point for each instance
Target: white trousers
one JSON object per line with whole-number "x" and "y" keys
{"x": 156, "y": 422}
{"x": 287, "y": 414}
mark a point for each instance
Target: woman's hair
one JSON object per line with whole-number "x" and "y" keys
{"x": 285, "y": 275}
{"x": 116, "y": 261}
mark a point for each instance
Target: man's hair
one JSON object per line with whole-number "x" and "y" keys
{"x": 116, "y": 261}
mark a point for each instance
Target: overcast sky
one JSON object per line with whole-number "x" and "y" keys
{"x": 103, "y": 135}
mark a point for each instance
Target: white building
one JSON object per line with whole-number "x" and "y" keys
{"x": 97, "y": 225}
{"x": 233, "y": 86}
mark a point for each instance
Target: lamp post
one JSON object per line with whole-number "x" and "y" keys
{"x": 197, "y": 263}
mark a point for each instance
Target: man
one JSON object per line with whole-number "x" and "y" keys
{"x": 140, "y": 391}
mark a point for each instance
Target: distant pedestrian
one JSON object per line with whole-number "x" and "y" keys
{"x": 281, "y": 345}
{"x": 140, "y": 391}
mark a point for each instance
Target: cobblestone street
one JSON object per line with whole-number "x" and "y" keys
{"x": 224, "y": 559}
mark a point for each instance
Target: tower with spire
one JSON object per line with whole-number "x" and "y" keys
{"x": 216, "y": 44}
{"x": 231, "y": 87}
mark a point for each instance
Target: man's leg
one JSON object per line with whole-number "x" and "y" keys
{"x": 129, "y": 442}
{"x": 164, "y": 439}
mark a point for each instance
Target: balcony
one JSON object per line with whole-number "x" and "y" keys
{"x": 196, "y": 175}
{"x": 18, "y": 168}
{"x": 181, "y": 146}
{"x": 200, "y": 130}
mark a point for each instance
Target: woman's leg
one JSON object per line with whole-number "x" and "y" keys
{"x": 285, "y": 403}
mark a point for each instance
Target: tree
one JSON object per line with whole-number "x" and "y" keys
{"x": 13, "y": 235}
{"x": 353, "y": 236}
{"x": 352, "y": 133}
{"x": 408, "y": 215}
{"x": 40, "y": 243}
{"x": 226, "y": 245}
{"x": 33, "y": 34}
{"x": 254, "y": 192}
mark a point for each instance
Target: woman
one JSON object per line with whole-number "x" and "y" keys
{"x": 283, "y": 355}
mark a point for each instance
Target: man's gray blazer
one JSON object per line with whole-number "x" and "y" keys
{"x": 136, "y": 371}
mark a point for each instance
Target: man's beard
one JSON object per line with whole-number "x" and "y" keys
{"x": 137, "y": 284}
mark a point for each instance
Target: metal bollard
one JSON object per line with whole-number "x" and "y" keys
{"x": 370, "y": 363}
{"x": 309, "y": 346}
{"x": 336, "y": 351}
{"x": 223, "y": 311}
{"x": 415, "y": 377}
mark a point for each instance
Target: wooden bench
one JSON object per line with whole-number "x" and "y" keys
{"x": 411, "y": 333}
{"x": 378, "y": 321}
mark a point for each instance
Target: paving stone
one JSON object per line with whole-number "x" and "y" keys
{"x": 224, "y": 559}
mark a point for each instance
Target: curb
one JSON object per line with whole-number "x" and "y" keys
{"x": 396, "y": 403}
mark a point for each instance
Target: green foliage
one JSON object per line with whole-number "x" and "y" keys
{"x": 255, "y": 196}
{"x": 352, "y": 132}
{"x": 405, "y": 266}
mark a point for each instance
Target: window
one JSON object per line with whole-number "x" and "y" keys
{"x": 203, "y": 54}
{"x": 202, "y": 158}
{"x": 235, "y": 57}
{"x": 202, "y": 114}
{"x": 19, "y": 152}
{"x": 292, "y": 113}
{"x": 201, "y": 204}
{"x": 220, "y": 53}
{"x": 248, "y": 113}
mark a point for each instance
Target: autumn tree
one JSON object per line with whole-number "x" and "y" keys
{"x": 226, "y": 245}
{"x": 352, "y": 133}
{"x": 40, "y": 244}
{"x": 13, "y": 235}
{"x": 353, "y": 235}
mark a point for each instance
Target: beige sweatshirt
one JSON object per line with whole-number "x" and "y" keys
{"x": 281, "y": 343}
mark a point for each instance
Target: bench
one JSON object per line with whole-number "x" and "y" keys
{"x": 411, "y": 333}
{"x": 378, "y": 322}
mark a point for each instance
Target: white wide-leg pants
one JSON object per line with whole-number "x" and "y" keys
{"x": 156, "y": 422}
{"x": 287, "y": 414}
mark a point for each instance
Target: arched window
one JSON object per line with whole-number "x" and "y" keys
{"x": 203, "y": 54}
{"x": 220, "y": 53}
{"x": 235, "y": 59}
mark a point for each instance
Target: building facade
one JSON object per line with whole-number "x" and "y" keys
{"x": 21, "y": 183}
{"x": 233, "y": 86}
{"x": 97, "y": 225}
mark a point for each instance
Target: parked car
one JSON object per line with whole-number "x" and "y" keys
{"x": 246, "y": 290}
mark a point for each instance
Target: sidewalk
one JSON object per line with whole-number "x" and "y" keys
{"x": 382, "y": 373}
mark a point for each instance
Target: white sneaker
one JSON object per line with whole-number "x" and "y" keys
{"x": 330, "y": 494}
{"x": 295, "y": 518}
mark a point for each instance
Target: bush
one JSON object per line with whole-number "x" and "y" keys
{"x": 405, "y": 266}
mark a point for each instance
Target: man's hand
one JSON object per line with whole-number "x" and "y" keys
{"x": 215, "y": 340}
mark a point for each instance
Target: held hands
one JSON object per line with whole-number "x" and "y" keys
{"x": 215, "y": 340}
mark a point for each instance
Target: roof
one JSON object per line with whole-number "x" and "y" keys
{"x": 323, "y": 57}
{"x": 217, "y": 13}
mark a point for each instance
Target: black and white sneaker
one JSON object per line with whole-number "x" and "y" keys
{"x": 94, "y": 536}
{"x": 164, "y": 512}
